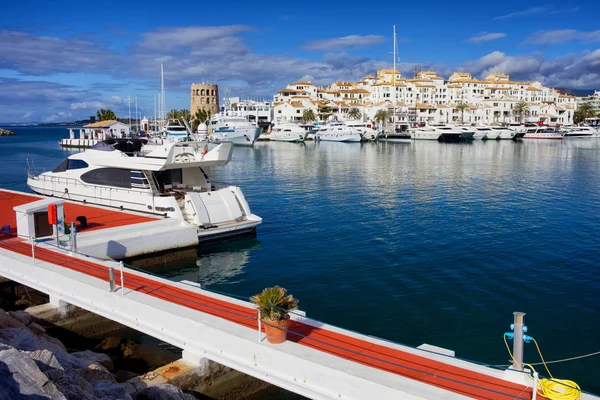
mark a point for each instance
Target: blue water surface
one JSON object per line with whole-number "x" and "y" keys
{"x": 415, "y": 243}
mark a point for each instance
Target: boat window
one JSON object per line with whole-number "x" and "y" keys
{"x": 169, "y": 177}
{"x": 77, "y": 164}
{"x": 117, "y": 177}
{"x": 62, "y": 167}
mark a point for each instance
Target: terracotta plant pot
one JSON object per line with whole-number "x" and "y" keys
{"x": 276, "y": 330}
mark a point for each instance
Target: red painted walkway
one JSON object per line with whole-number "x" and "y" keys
{"x": 97, "y": 218}
{"x": 445, "y": 376}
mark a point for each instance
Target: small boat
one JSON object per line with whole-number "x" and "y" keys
{"x": 175, "y": 130}
{"x": 288, "y": 133}
{"x": 161, "y": 177}
{"x": 543, "y": 132}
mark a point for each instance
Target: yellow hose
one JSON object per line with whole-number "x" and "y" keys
{"x": 552, "y": 389}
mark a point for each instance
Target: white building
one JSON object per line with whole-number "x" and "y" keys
{"x": 103, "y": 129}
{"x": 429, "y": 98}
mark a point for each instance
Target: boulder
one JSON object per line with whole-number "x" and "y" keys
{"x": 107, "y": 390}
{"x": 45, "y": 360}
{"x": 73, "y": 386}
{"x": 7, "y": 321}
{"x": 21, "y": 316}
{"x": 89, "y": 357}
{"x": 20, "y": 376}
{"x": 95, "y": 374}
{"x": 110, "y": 343}
{"x": 36, "y": 329}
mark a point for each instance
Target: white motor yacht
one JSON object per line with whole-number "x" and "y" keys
{"x": 159, "y": 177}
{"x": 425, "y": 134}
{"x": 580, "y": 132}
{"x": 542, "y": 132}
{"x": 503, "y": 133}
{"x": 337, "y": 132}
{"x": 238, "y": 130}
{"x": 481, "y": 132}
{"x": 288, "y": 133}
{"x": 365, "y": 130}
{"x": 175, "y": 130}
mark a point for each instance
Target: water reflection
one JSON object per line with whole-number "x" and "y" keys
{"x": 208, "y": 264}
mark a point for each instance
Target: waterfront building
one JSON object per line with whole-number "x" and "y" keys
{"x": 104, "y": 129}
{"x": 255, "y": 111}
{"x": 204, "y": 96}
{"x": 429, "y": 98}
{"x": 593, "y": 100}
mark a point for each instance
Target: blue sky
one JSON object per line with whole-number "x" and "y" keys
{"x": 63, "y": 60}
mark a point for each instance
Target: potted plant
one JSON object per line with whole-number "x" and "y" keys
{"x": 273, "y": 304}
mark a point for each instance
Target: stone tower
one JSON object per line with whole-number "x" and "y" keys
{"x": 204, "y": 96}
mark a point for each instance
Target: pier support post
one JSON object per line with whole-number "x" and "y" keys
{"x": 122, "y": 279}
{"x": 518, "y": 340}
{"x": 57, "y": 302}
{"x": 111, "y": 278}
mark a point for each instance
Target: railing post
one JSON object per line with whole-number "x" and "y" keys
{"x": 73, "y": 237}
{"x": 111, "y": 278}
{"x": 122, "y": 280}
{"x": 259, "y": 335}
{"x": 536, "y": 377}
{"x": 33, "y": 250}
{"x": 518, "y": 340}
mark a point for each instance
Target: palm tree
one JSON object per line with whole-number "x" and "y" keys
{"x": 173, "y": 114}
{"x": 106, "y": 115}
{"x": 308, "y": 115}
{"x": 462, "y": 107}
{"x": 381, "y": 116}
{"x": 325, "y": 110}
{"x": 185, "y": 114}
{"x": 519, "y": 109}
{"x": 354, "y": 113}
{"x": 584, "y": 110}
{"x": 202, "y": 116}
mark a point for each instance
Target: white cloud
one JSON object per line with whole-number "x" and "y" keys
{"x": 546, "y": 10}
{"x": 195, "y": 38}
{"x": 486, "y": 37}
{"x": 355, "y": 41}
{"x": 574, "y": 71}
{"x": 562, "y": 35}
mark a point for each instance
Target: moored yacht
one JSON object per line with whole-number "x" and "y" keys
{"x": 238, "y": 130}
{"x": 364, "y": 129}
{"x": 159, "y": 177}
{"x": 580, "y": 132}
{"x": 503, "y": 133}
{"x": 288, "y": 133}
{"x": 448, "y": 134}
{"x": 425, "y": 134}
{"x": 542, "y": 132}
{"x": 175, "y": 130}
{"x": 336, "y": 131}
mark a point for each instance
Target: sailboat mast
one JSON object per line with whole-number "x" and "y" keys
{"x": 394, "y": 81}
{"x": 162, "y": 107}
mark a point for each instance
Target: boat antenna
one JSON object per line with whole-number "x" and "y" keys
{"x": 202, "y": 69}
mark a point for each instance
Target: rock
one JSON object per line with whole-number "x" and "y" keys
{"x": 21, "y": 316}
{"x": 73, "y": 386}
{"x": 20, "y": 377}
{"x": 45, "y": 360}
{"x": 6, "y": 132}
{"x": 134, "y": 386}
{"x": 165, "y": 392}
{"x": 110, "y": 343}
{"x": 90, "y": 357}
{"x": 107, "y": 390}
{"x": 36, "y": 329}
{"x": 7, "y": 321}
{"x": 95, "y": 374}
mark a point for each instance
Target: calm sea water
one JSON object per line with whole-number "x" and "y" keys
{"x": 415, "y": 243}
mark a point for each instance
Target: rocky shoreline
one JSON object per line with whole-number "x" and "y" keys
{"x": 6, "y": 132}
{"x": 32, "y": 363}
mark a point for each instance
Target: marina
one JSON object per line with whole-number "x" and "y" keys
{"x": 421, "y": 204}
